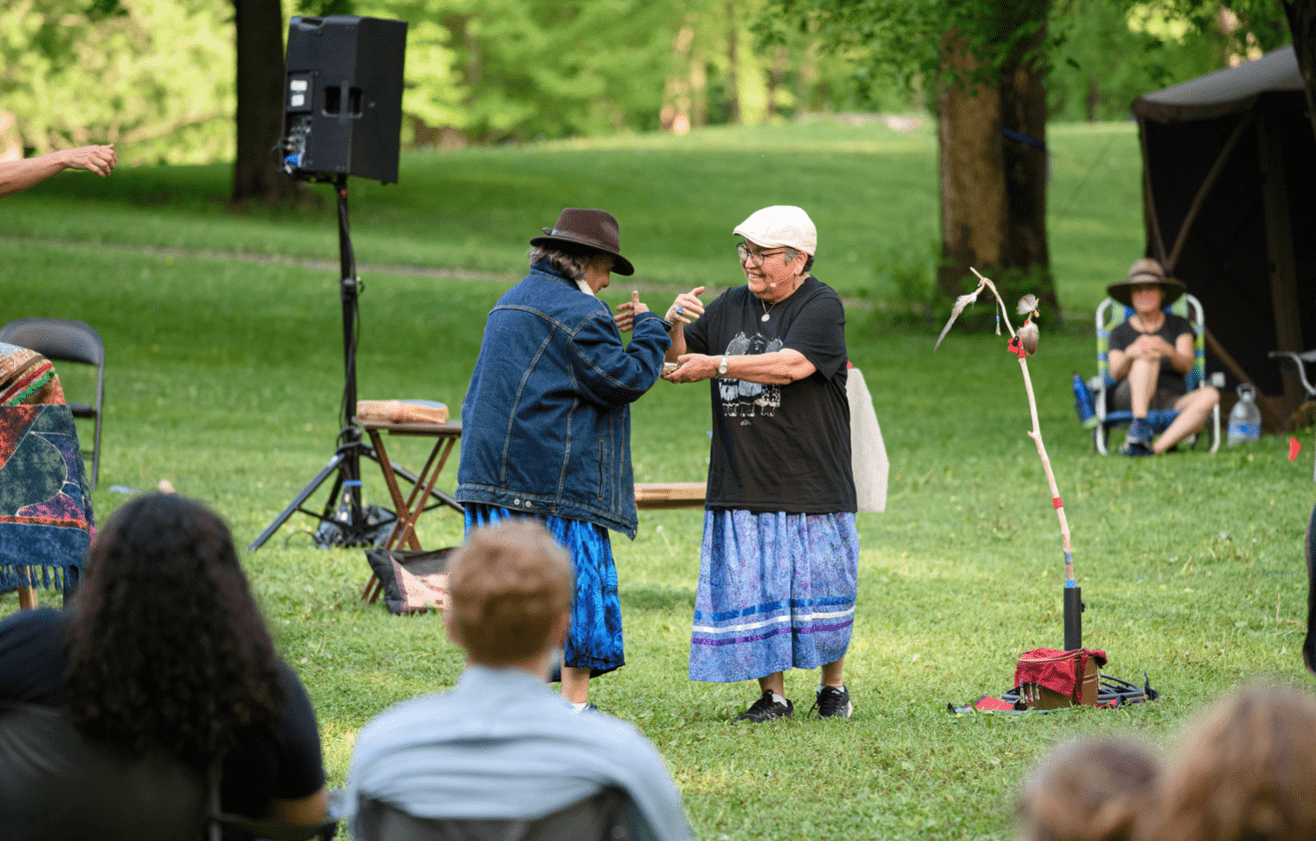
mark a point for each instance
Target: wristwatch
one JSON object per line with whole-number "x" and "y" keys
{"x": 722, "y": 367}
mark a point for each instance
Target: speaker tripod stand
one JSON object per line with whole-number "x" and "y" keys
{"x": 343, "y": 507}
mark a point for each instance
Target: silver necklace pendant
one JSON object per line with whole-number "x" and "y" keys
{"x": 764, "y": 317}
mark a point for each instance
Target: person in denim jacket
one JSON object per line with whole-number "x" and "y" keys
{"x": 546, "y": 430}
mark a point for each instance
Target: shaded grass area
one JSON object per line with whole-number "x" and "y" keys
{"x": 225, "y": 377}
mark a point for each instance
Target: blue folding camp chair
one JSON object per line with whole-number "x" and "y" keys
{"x": 1110, "y": 314}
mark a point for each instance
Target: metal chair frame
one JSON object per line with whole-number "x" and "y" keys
{"x": 61, "y": 784}
{"x": 1299, "y": 361}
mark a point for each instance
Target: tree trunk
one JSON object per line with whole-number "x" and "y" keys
{"x": 733, "y": 68}
{"x": 1027, "y": 266}
{"x": 972, "y": 177}
{"x": 993, "y": 161}
{"x": 259, "y": 25}
{"x": 675, "y": 115}
{"x": 776, "y": 78}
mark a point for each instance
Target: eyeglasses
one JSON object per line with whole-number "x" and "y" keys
{"x": 754, "y": 259}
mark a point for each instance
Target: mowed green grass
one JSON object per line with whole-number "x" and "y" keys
{"x": 224, "y": 335}
{"x": 871, "y": 190}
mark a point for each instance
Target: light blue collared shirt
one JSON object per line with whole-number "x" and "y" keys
{"x": 502, "y": 744}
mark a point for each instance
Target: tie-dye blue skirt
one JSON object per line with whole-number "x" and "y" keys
{"x": 594, "y": 641}
{"x": 776, "y": 592}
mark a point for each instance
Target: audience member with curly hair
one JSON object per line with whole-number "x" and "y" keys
{"x": 163, "y": 649}
{"x": 1243, "y": 772}
{"x": 1088, "y": 790}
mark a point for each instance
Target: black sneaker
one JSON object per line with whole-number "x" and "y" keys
{"x": 833, "y": 702}
{"x": 766, "y": 708}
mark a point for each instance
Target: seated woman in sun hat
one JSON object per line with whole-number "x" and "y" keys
{"x": 778, "y": 570}
{"x": 1149, "y": 355}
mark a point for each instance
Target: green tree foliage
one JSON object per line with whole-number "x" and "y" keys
{"x": 155, "y": 77}
{"x": 526, "y": 69}
{"x": 978, "y": 53}
{"x": 892, "y": 39}
{"x": 521, "y": 69}
{"x": 1115, "y": 52}
{"x": 1106, "y": 52}
{"x": 986, "y": 62}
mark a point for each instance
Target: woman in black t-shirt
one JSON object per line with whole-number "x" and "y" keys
{"x": 1149, "y": 355}
{"x": 779, "y": 565}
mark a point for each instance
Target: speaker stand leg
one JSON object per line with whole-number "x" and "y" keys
{"x": 293, "y": 506}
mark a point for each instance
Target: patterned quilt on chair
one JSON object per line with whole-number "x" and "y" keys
{"x": 46, "y": 519}
{"x": 27, "y": 377}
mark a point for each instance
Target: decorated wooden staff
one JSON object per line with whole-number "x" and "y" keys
{"x": 1023, "y": 345}
{"x": 1309, "y": 643}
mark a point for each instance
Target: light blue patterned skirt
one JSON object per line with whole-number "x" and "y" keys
{"x": 776, "y": 592}
{"x": 594, "y": 641}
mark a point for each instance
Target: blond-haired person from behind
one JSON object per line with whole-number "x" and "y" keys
{"x": 502, "y": 745}
{"x": 1088, "y": 790}
{"x": 1245, "y": 771}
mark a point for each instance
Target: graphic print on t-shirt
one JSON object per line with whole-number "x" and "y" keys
{"x": 745, "y": 400}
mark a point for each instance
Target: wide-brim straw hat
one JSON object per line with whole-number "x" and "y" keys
{"x": 595, "y": 229}
{"x": 1147, "y": 270}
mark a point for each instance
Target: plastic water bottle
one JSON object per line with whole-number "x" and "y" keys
{"x": 1245, "y": 417}
{"x": 1083, "y": 405}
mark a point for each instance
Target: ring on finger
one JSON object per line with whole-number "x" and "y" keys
{"x": 679, "y": 309}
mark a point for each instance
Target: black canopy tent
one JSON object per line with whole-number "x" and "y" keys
{"x": 1229, "y": 193}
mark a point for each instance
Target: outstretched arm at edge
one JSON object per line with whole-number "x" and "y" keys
{"x": 17, "y": 176}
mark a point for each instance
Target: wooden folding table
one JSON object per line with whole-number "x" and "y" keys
{"x": 446, "y": 436}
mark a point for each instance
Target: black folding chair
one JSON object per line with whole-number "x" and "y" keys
{"x": 56, "y": 784}
{"x": 610, "y": 815}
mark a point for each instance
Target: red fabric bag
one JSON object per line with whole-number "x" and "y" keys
{"x": 1055, "y": 678}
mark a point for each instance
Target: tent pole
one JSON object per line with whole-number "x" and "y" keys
{"x": 1207, "y": 184}
{"x": 1148, "y": 197}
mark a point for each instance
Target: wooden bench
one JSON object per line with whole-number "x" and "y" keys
{"x": 657, "y": 495}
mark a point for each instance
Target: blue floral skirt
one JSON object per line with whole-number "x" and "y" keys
{"x": 776, "y": 592}
{"x": 594, "y": 641}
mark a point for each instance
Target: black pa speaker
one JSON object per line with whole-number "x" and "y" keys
{"x": 342, "y": 105}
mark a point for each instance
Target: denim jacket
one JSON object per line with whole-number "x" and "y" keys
{"x": 546, "y": 424}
